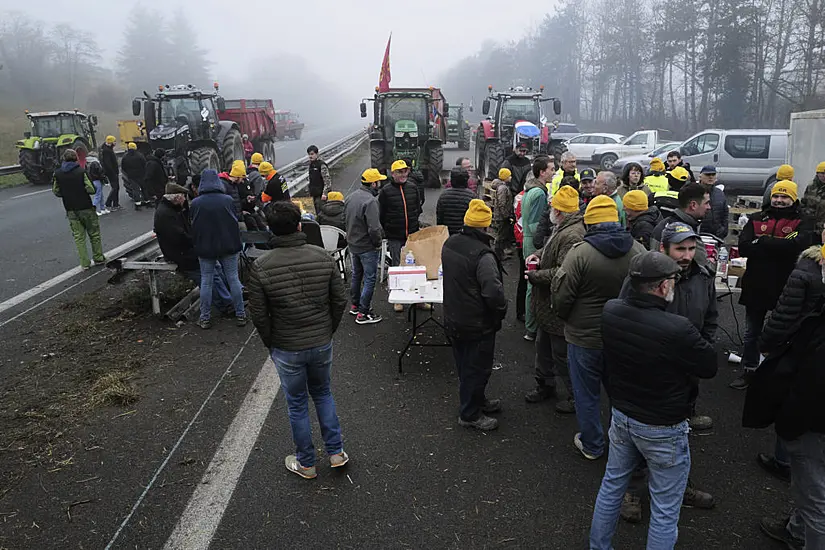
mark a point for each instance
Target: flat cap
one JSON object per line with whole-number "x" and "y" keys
{"x": 653, "y": 266}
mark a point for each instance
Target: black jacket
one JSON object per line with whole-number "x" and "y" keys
{"x": 109, "y": 161}
{"x": 520, "y": 168}
{"x": 642, "y": 227}
{"x": 238, "y": 191}
{"x": 717, "y": 219}
{"x": 650, "y": 356}
{"x": 73, "y": 186}
{"x": 276, "y": 188}
{"x": 174, "y": 232}
{"x": 399, "y": 208}
{"x": 316, "y": 178}
{"x": 214, "y": 224}
{"x": 451, "y": 207}
{"x": 156, "y": 177}
{"x": 133, "y": 165}
{"x": 417, "y": 178}
{"x": 802, "y": 296}
{"x": 333, "y": 213}
{"x": 474, "y": 301}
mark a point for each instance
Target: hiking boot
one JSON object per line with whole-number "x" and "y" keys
{"x": 695, "y": 498}
{"x": 530, "y": 336}
{"x": 353, "y": 310}
{"x": 540, "y": 393}
{"x": 778, "y": 530}
{"x": 700, "y": 422}
{"x": 205, "y": 324}
{"x": 568, "y": 406}
{"x": 770, "y": 465}
{"x": 338, "y": 460}
{"x": 742, "y": 382}
{"x": 368, "y": 319}
{"x": 482, "y": 423}
{"x": 577, "y": 442}
{"x": 398, "y": 308}
{"x": 631, "y": 510}
{"x": 292, "y": 464}
{"x": 491, "y": 406}
{"x": 241, "y": 321}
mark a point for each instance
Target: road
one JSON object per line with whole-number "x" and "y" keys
{"x": 37, "y": 244}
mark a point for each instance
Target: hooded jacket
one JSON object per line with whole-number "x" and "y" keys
{"x": 214, "y": 224}
{"x": 592, "y": 273}
{"x": 133, "y": 165}
{"x": 641, "y": 228}
{"x": 73, "y": 186}
{"x": 503, "y": 210}
{"x": 256, "y": 181}
{"x": 109, "y": 161}
{"x": 174, "y": 233}
{"x": 238, "y": 191}
{"x": 333, "y": 213}
{"x": 717, "y": 220}
{"x": 451, "y": 207}
{"x": 520, "y": 168}
{"x": 533, "y": 205}
{"x": 363, "y": 221}
{"x": 399, "y": 208}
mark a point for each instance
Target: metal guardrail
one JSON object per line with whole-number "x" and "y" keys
{"x": 16, "y": 168}
{"x": 297, "y": 172}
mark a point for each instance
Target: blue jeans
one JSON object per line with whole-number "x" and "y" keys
{"x": 780, "y": 453}
{"x": 364, "y": 267}
{"x": 586, "y": 370}
{"x": 807, "y": 521}
{"x": 220, "y": 291}
{"x": 754, "y": 319}
{"x": 97, "y": 198}
{"x": 302, "y": 372}
{"x": 666, "y": 450}
{"x": 230, "y": 270}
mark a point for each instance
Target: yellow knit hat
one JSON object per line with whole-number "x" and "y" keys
{"x": 601, "y": 209}
{"x": 265, "y": 168}
{"x": 335, "y": 196}
{"x": 820, "y": 167}
{"x": 566, "y": 199}
{"x": 238, "y": 169}
{"x": 110, "y": 139}
{"x": 785, "y": 172}
{"x": 131, "y": 146}
{"x": 785, "y": 187}
{"x": 257, "y": 158}
{"x": 656, "y": 165}
{"x": 636, "y": 200}
{"x": 478, "y": 214}
{"x": 505, "y": 174}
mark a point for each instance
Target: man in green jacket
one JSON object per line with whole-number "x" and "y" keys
{"x": 533, "y": 206}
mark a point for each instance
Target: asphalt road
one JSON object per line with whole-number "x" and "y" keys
{"x": 37, "y": 244}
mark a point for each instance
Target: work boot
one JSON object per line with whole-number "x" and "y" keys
{"x": 482, "y": 423}
{"x": 491, "y": 406}
{"x": 770, "y": 465}
{"x": 631, "y": 510}
{"x": 567, "y": 406}
{"x": 778, "y": 530}
{"x": 742, "y": 382}
{"x": 700, "y": 422}
{"x": 540, "y": 393}
{"x": 697, "y": 499}
{"x": 398, "y": 308}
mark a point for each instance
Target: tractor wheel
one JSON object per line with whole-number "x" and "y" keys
{"x": 607, "y": 161}
{"x": 202, "y": 158}
{"x": 480, "y": 166}
{"x": 493, "y": 158}
{"x": 435, "y": 162}
{"x": 464, "y": 140}
{"x": 29, "y": 162}
{"x": 377, "y": 157}
{"x": 268, "y": 150}
{"x": 232, "y": 149}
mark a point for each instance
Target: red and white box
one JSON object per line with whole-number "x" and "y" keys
{"x": 407, "y": 277}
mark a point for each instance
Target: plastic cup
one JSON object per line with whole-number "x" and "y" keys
{"x": 733, "y": 280}
{"x": 532, "y": 265}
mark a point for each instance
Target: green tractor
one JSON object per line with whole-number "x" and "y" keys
{"x": 458, "y": 129}
{"x": 407, "y": 125}
{"x": 52, "y": 133}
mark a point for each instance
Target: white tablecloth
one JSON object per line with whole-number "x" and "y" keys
{"x": 432, "y": 293}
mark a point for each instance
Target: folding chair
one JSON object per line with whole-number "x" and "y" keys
{"x": 248, "y": 251}
{"x": 332, "y": 236}
{"x": 384, "y": 262}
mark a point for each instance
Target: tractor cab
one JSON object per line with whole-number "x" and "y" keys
{"x": 53, "y": 132}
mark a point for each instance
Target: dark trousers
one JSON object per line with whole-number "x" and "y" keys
{"x": 754, "y": 319}
{"x": 317, "y": 203}
{"x": 113, "y": 199}
{"x": 551, "y": 361}
{"x": 474, "y": 361}
{"x": 521, "y": 291}
{"x": 504, "y": 237}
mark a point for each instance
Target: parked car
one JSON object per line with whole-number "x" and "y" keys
{"x": 644, "y": 160}
{"x": 565, "y": 131}
{"x": 641, "y": 142}
{"x": 583, "y": 145}
{"x": 744, "y": 159}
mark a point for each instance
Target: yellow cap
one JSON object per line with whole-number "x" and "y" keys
{"x": 398, "y": 165}
{"x": 478, "y": 214}
{"x": 110, "y": 139}
{"x": 371, "y": 175}
{"x": 680, "y": 173}
{"x": 566, "y": 199}
{"x": 820, "y": 167}
{"x": 785, "y": 187}
{"x": 238, "y": 169}
{"x": 636, "y": 200}
{"x": 505, "y": 174}
{"x": 257, "y": 158}
{"x": 335, "y": 196}
{"x": 785, "y": 172}
{"x": 131, "y": 145}
{"x": 601, "y": 209}
{"x": 656, "y": 165}
{"x": 265, "y": 168}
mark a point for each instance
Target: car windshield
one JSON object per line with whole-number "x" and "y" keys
{"x": 174, "y": 107}
{"x": 520, "y": 109}
{"x": 405, "y": 108}
{"x": 56, "y": 126}
{"x": 282, "y": 117}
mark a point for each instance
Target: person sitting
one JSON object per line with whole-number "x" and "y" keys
{"x": 332, "y": 211}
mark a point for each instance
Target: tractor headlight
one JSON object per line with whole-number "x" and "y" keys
{"x": 413, "y": 134}
{"x": 399, "y": 134}
{"x": 36, "y": 145}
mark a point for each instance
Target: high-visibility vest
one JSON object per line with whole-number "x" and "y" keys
{"x": 554, "y": 184}
{"x": 656, "y": 184}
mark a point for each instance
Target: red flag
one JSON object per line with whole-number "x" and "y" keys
{"x": 385, "y": 76}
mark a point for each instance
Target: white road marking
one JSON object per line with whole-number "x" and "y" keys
{"x": 199, "y": 522}
{"x": 29, "y": 194}
{"x": 180, "y": 440}
{"x": 50, "y": 298}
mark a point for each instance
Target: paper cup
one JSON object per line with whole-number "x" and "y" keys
{"x": 733, "y": 280}
{"x": 532, "y": 265}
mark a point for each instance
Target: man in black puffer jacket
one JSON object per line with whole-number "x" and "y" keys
{"x": 520, "y": 167}
{"x": 399, "y": 207}
{"x": 453, "y": 202}
{"x": 156, "y": 178}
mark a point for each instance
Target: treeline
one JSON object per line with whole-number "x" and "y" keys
{"x": 681, "y": 66}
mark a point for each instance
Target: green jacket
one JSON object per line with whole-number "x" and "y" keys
{"x": 533, "y": 205}
{"x": 620, "y": 207}
{"x": 813, "y": 203}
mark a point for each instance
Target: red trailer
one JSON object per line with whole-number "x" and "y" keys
{"x": 256, "y": 118}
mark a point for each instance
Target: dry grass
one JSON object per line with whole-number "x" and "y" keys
{"x": 113, "y": 388}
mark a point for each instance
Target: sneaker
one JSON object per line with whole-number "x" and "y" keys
{"x": 85, "y": 267}
{"x": 205, "y": 324}
{"x": 107, "y": 211}
{"x": 367, "y": 319}
{"x": 530, "y": 336}
{"x": 292, "y": 464}
{"x": 398, "y": 308}
{"x": 101, "y": 262}
{"x": 700, "y": 422}
{"x": 778, "y": 530}
{"x": 338, "y": 460}
{"x": 353, "y": 310}
{"x": 241, "y": 321}
{"x": 100, "y": 213}
{"x": 770, "y": 465}
{"x": 568, "y": 406}
{"x": 540, "y": 393}
{"x": 115, "y": 208}
{"x": 482, "y": 423}
{"x": 631, "y": 510}
{"x": 742, "y": 382}
{"x": 695, "y": 498}
{"x": 577, "y": 442}
{"x": 491, "y": 406}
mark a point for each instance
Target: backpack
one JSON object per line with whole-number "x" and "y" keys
{"x": 95, "y": 170}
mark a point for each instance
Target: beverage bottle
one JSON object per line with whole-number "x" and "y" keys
{"x": 722, "y": 267}
{"x": 409, "y": 259}
{"x": 440, "y": 273}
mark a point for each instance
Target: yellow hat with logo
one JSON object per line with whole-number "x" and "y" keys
{"x": 820, "y": 168}
{"x": 265, "y": 168}
{"x": 505, "y": 174}
{"x": 398, "y": 165}
{"x": 636, "y": 200}
{"x": 371, "y": 175}
{"x": 335, "y": 196}
{"x": 257, "y": 158}
{"x": 785, "y": 187}
{"x": 680, "y": 173}
{"x": 238, "y": 169}
{"x": 478, "y": 214}
{"x": 601, "y": 209}
{"x": 131, "y": 145}
{"x": 110, "y": 139}
{"x": 656, "y": 165}
{"x": 566, "y": 199}
{"x": 785, "y": 172}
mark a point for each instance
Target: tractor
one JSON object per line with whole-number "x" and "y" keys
{"x": 458, "y": 129}
{"x": 497, "y": 134}
{"x": 52, "y": 133}
{"x": 407, "y": 125}
{"x": 183, "y": 121}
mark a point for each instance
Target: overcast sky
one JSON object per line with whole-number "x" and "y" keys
{"x": 343, "y": 40}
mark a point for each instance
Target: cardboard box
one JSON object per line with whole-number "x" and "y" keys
{"x": 736, "y": 271}
{"x": 407, "y": 277}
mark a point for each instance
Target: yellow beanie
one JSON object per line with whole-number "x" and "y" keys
{"x": 566, "y": 199}
{"x": 820, "y": 167}
{"x": 636, "y": 200}
{"x": 785, "y": 172}
{"x": 785, "y": 187}
{"x": 238, "y": 169}
{"x": 335, "y": 196}
{"x": 656, "y": 165}
{"x": 478, "y": 214}
{"x": 132, "y": 145}
{"x": 110, "y": 139}
{"x": 601, "y": 209}
{"x": 265, "y": 168}
{"x": 257, "y": 158}
{"x": 505, "y": 174}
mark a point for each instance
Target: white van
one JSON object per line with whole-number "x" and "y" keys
{"x": 744, "y": 159}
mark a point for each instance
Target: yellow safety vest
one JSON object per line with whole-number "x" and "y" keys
{"x": 554, "y": 184}
{"x": 656, "y": 184}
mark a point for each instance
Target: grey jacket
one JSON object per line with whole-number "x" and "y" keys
{"x": 363, "y": 221}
